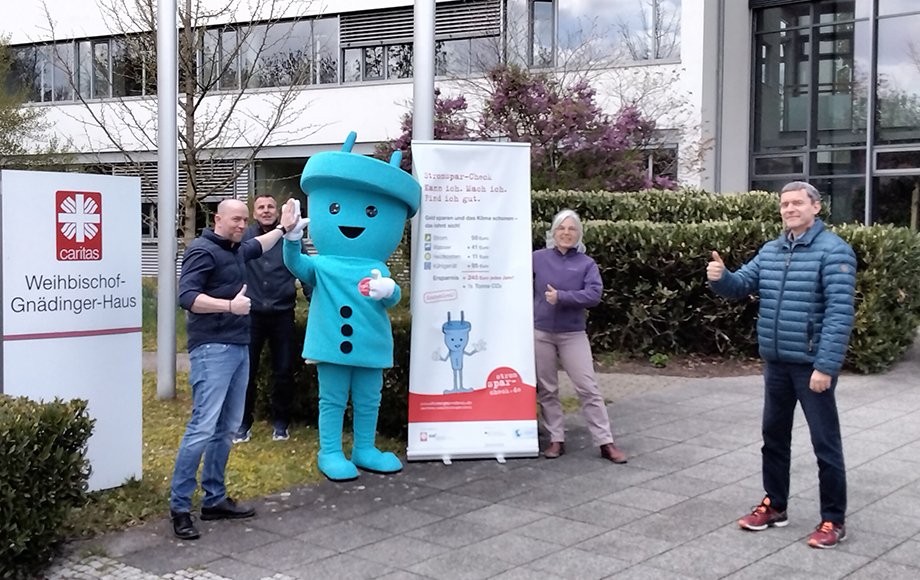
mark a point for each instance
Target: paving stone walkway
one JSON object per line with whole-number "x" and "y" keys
{"x": 694, "y": 468}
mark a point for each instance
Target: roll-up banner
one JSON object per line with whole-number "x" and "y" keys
{"x": 70, "y": 284}
{"x": 472, "y": 383}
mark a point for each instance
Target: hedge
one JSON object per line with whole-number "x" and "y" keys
{"x": 684, "y": 206}
{"x": 43, "y": 475}
{"x": 652, "y": 248}
{"x": 656, "y": 297}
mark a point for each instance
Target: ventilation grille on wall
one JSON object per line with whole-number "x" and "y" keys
{"x": 464, "y": 19}
{"x": 214, "y": 177}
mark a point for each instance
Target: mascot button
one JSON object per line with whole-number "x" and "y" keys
{"x": 347, "y": 330}
{"x": 345, "y": 346}
{"x": 345, "y": 312}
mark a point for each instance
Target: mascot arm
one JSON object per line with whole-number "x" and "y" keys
{"x": 300, "y": 264}
{"x": 393, "y": 300}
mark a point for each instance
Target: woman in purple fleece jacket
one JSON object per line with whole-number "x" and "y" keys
{"x": 566, "y": 283}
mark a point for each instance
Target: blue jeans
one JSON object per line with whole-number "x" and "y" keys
{"x": 785, "y": 384}
{"x": 219, "y": 373}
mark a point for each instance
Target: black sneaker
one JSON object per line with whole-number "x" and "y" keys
{"x": 280, "y": 433}
{"x": 227, "y": 510}
{"x": 243, "y": 434}
{"x": 183, "y": 526}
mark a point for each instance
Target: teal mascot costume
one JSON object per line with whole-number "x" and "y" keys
{"x": 358, "y": 207}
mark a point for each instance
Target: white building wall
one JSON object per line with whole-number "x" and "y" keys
{"x": 682, "y": 97}
{"x": 65, "y": 19}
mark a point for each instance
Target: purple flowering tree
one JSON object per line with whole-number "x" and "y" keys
{"x": 574, "y": 143}
{"x": 450, "y": 124}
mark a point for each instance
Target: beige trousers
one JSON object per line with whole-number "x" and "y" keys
{"x": 574, "y": 352}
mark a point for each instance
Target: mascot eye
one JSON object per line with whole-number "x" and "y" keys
{"x": 334, "y": 208}
{"x": 371, "y": 211}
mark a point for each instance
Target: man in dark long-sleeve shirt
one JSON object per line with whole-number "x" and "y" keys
{"x": 213, "y": 291}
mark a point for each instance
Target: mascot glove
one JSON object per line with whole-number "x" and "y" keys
{"x": 380, "y": 288}
{"x": 296, "y": 233}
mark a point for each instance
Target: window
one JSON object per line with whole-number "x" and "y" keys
{"x": 373, "y": 63}
{"x": 127, "y": 68}
{"x": 661, "y": 162}
{"x": 543, "y": 44}
{"x": 351, "y": 65}
{"x": 229, "y": 60}
{"x": 617, "y": 31}
{"x": 85, "y": 69}
{"x": 26, "y": 72}
{"x": 148, "y": 219}
{"x": 101, "y": 68}
{"x": 898, "y": 80}
{"x": 62, "y": 67}
{"x": 399, "y": 61}
{"x": 812, "y": 76}
{"x": 278, "y": 55}
{"x": 326, "y": 50}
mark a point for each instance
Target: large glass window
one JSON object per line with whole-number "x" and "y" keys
{"x": 889, "y": 7}
{"x": 782, "y": 90}
{"x": 898, "y": 80}
{"x": 605, "y": 31}
{"x": 813, "y": 69}
{"x": 282, "y": 51}
{"x": 843, "y": 57}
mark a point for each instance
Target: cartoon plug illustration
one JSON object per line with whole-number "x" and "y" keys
{"x": 358, "y": 208}
{"x": 456, "y": 336}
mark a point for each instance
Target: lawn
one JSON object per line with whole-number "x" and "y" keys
{"x": 149, "y": 318}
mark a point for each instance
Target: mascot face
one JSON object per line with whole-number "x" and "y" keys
{"x": 355, "y": 223}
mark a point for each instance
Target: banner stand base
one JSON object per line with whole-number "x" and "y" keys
{"x": 449, "y": 458}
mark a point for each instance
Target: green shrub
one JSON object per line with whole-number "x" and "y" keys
{"x": 43, "y": 475}
{"x": 887, "y": 294}
{"x": 657, "y": 206}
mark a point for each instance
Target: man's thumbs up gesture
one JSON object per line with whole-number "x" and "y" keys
{"x": 716, "y": 268}
{"x": 241, "y": 303}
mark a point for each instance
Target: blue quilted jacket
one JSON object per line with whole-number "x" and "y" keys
{"x": 806, "y": 292}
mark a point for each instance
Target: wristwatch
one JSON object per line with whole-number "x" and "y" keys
{"x": 282, "y": 228}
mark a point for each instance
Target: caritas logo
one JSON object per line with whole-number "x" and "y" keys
{"x": 79, "y": 225}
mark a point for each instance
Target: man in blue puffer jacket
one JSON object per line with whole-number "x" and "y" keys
{"x": 806, "y": 280}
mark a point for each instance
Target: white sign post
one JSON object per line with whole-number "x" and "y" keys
{"x": 70, "y": 283}
{"x": 472, "y": 381}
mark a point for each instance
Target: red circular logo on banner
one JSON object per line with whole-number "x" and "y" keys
{"x": 503, "y": 377}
